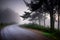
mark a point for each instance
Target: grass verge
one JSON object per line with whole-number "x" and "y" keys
{"x": 55, "y": 35}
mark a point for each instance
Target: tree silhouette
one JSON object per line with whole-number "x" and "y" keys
{"x": 58, "y": 9}
{"x": 26, "y": 15}
{"x": 48, "y": 6}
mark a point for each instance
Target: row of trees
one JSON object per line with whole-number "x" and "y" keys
{"x": 39, "y": 8}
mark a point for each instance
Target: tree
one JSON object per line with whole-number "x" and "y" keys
{"x": 26, "y": 15}
{"x": 37, "y": 16}
{"x": 49, "y": 5}
{"x": 58, "y": 14}
{"x": 40, "y": 14}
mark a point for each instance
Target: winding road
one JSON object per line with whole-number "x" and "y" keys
{"x": 14, "y": 32}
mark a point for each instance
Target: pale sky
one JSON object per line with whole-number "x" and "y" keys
{"x": 16, "y": 5}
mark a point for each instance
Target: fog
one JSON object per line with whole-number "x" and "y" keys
{"x": 18, "y": 6}
{"x": 13, "y": 9}
{"x": 9, "y": 16}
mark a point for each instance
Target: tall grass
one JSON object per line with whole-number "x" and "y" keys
{"x": 46, "y": 30}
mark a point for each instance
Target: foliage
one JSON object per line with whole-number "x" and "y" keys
{"x": 46, "y": 31}
{"x": 44, "y": 6}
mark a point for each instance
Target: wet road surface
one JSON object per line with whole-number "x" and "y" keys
{"x": 14, "y": 32}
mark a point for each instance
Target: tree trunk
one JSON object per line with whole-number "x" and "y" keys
{"x": 39, "y": 21}
{"x": 44, "y": 19}
{"x": 51, "y": 21}
{"x": 58, "y": 20}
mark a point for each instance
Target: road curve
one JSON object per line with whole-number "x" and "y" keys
{"x": 14, "y": 32}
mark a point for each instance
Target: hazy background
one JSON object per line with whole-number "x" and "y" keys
{"x": 18, "y": 7}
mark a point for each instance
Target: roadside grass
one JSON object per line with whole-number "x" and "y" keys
{"x": 2, "y": 25}
{"x": 49, "y": 35}
{"x": 55, "y": 35}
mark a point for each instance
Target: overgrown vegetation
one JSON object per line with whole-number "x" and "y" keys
{"x": 2, "y": 25}
{"x": 55, "y": 35}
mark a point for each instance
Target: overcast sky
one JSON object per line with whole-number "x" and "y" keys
{"x": 16, "y": 5}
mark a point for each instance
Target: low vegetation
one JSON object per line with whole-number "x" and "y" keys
{"x": 46, "y": 31}
{"x": 2, "y": 25}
